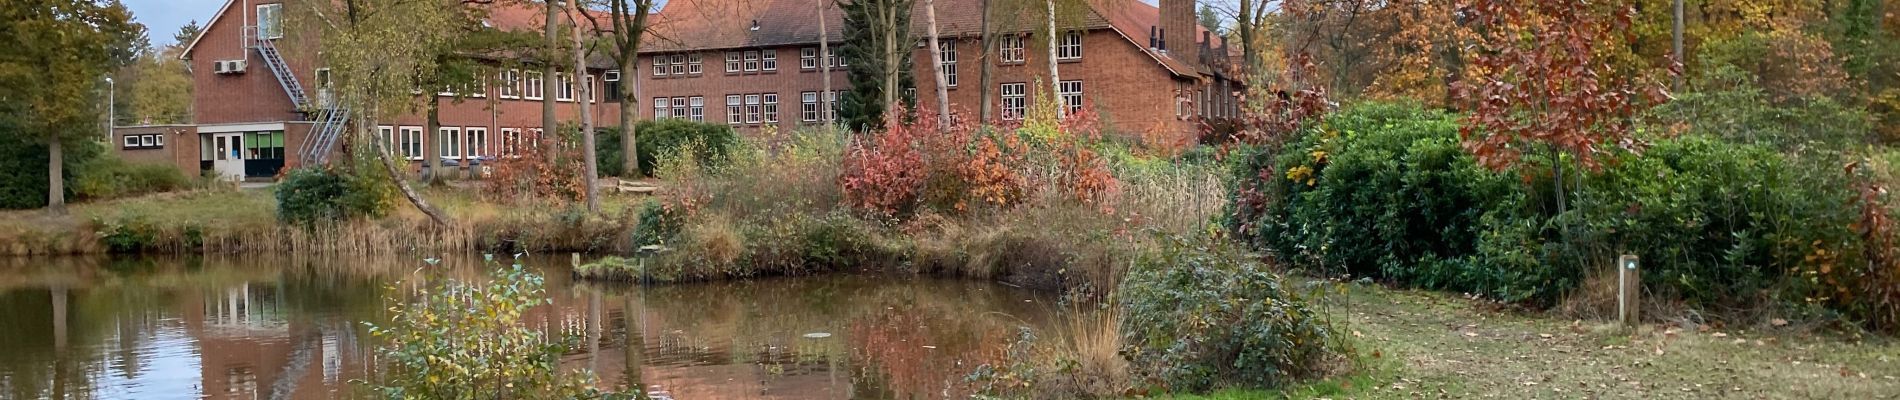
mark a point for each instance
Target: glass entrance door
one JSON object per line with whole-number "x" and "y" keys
{"x": 228, "y": 158}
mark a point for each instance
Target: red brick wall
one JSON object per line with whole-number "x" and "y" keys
{"x": 714, "y": 83}
{"x": 181, "y": 142}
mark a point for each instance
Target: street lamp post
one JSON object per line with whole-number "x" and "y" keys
{"x": 112, "y": 92}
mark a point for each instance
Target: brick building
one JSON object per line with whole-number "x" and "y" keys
{"x": 752, "y": 63}
{"x": 257, "y": 107}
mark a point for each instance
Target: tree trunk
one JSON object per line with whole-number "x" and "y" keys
{"x": 887, "y": 22}
{"x": 1676, "y": 46}
{"x": 1055, "y": 80}
{"x": 432, "y": 150}
{"x": 986, "y": 80}
{"x": 549, "y": 136}
{"x": 936, "y": 67}
{"x": 629, "y": 115}
{"x": 824, "y": 67}
{"x": 55, "y": 170}
{"x": 389, "y": 166}
{"x": 581, "y": 96}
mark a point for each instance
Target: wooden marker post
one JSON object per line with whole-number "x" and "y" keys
{"x": 1629, "y": 285}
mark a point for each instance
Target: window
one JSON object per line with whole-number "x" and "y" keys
{"x": 732, "y": 61}
{"x": 808, "y": 106}
{"x": 266, "y": 145}
{"x": 270, "y": 21}
{"x": 611, "y": 76}
{"x": 770, "y": 60}
{"x": 1012, "y": 49}
{"x": 1071, "y": 94}
{"x": 1070, "y": 48}
{"x": 131, "y": 141}
{"x": 448, "y": 142}
{"x": 158, "y": 140}
{"x": 697, "y": 108}
{"x": 752, "y": 109}
{"x": 612, "y": 87}
{"x": 386, "y": 136}
{"x": 948, "y": 49}
{"x": 1015, "y": 100}
{"x": 511, "y": 84}
{"x": 564, "y": 87}
{"x": 660, "y": 106}
{"x": 831, "y": 114}
{"x": 510, "y": 138}
{"x": 831, "y": 57}
{"x": 532, "y": 90}
{"x": 771, "y": 108}
{"x": 808, "y": 58}
{"x": 679, "y": 64}
{"x": 659, "y": 65}
{"x": 477, "y": 141}
{"x": 692, "y": 64}
{"x": 679, "y": 107}
{"x": 411, "y": 142}
{"x": 732, "y": 110}
{"x": 751, "y": 61}
{"x": 593, "y": 89}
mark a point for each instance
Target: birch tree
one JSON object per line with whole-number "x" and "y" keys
{"x": 629, "y": 20}
{"x": 584, "y": 96}
{"x": 936, "y": 66}
{"x": 877, "y": 45}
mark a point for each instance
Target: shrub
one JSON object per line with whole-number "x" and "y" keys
{"x": 110, "y": 177}
{"x": 24, "y": 156}
{"x": 467, "y": 340}
{"x": 1200, "y": 317}
{"x": 310, "y": 195}
{"x": 657, "y": 139}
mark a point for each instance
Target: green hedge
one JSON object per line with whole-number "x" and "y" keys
{"x": 315, "y": 195}
{"x": 661, "y": 138}
{"x": 1385, "y": 190}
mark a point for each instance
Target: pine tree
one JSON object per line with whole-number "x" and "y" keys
{"x": 877, "y": 45}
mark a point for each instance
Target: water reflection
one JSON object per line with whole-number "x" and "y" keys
{"x": 290, "y": 328}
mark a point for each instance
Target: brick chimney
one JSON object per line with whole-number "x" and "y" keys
{"x": 1178, "y": 29}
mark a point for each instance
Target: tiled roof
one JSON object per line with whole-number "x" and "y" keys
{"x": 685, "y": 25}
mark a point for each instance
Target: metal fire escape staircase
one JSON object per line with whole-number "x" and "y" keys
{"x": 331, "y": 118}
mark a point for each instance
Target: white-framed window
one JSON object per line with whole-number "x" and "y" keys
{"x": 1015, "y": 100}
{"x": 1012, "y": 49}
{"x": 732, "y": 61}
{"x": 752, "y": 61}
{"x": 771, "y": 107}
{"x": 477, "y": 141}
{"x": 1071, "y": 94}
{"x": 1070, "y": 47}
{"x": 768, "y": 60}
{"x": 661, "y": 108}
{"x": 752, "y": 109}
{"x": 532, "y": 137}
{"x": 532, "y": 89}
{"x": 147, "y": 141}
{"x": 659, "y": 65}
{"x": 808, "y": 58}
{"x": 679, "y": 64}
{"x": 947, "y": 48}
{"x": 510, "y": 84}
{"x": 564, "y": 87}
{"x": 808, "y": 106}
{"x": 734, "y": 115}
{"x": 270, "y": 21}
{"x": 679, "y": 107}
{"x": 386, "y": 136}
{"x": 693, "y": 65}
{"x": 481, "y": 88}
{"x": 831, "y": 57}
{"x": 611, "y": 75}
{"x": 831, "y": 114}
{"x": 131, "y": 141}
{"x": 411, "y": 142}
{"x": 593, "y": 89}
{"x": 510, "y": 142}
{"x": 696, "y": 107}
{"x": 448, "y": 142}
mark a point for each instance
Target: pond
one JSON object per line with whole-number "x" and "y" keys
{"x": 292, "y": 328}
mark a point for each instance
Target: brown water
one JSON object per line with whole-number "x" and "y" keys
{"x": 291, "y": 328}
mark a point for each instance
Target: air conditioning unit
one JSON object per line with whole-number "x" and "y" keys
{"x": 228, "y": 66}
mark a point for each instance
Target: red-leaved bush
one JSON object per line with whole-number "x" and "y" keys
{"x": 886, "y": 173}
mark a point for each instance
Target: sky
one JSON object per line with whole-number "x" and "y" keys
{"x": 162, "y": 18}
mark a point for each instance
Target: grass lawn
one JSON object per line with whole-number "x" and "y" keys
{"x": 1416, "y": 344}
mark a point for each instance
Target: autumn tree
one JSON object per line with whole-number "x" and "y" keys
{"x": 378, "y": 52}
{"x": 628, "y": 30}
{"x": 51, "y": 72}
{"x": 1541, "y": 85}
{"x": 158, "y": 84}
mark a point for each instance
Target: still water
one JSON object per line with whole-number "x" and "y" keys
{"x": 292, "y": 328}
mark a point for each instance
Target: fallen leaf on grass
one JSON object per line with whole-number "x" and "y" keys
{"x": 1719, "y": 334}
{"x": 1778, "y": 322}
{"x": 1543, "y": 335}
{"x": 1471, "y": 334}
